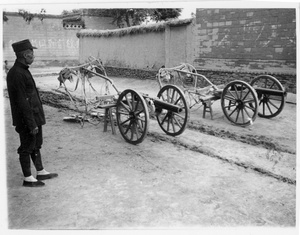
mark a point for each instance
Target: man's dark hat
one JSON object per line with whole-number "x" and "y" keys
{"x": 22, "y": 45}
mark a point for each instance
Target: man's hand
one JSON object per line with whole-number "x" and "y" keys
{"x": 34, "y": 131}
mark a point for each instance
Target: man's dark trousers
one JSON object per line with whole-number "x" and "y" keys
{"x": 30, "y": 147}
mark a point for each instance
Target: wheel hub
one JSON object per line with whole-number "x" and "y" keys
{"x": 240, "y": 104}
{"x": 170, "y": 114}
{"x": 265, "y": 99}
{"x": 132, "y": 115}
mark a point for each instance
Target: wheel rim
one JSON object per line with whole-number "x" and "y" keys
{"x": 132, "y": 116}
{"x": 239, "y": 103}
{"x": 173, "y": 123}
{"x": 269, "y": 105}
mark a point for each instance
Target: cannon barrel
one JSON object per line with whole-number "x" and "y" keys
{"x": 267, "y": 91}
{"x": 159, "y": 104}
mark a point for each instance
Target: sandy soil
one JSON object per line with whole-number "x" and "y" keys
{"x": 214, "y": 174}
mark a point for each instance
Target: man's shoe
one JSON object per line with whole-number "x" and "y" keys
{"x": 47, "y": 176}
{"x": 33, "y": 184}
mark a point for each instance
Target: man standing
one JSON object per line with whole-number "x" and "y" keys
{"x": 27, "y": 114}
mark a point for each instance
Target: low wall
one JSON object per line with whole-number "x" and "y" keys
{"x": 220, "y": 78}
{"x": 216, "y": 77}
{"x": 130, "y": 73}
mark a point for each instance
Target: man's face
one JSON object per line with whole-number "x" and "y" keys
{"x": 29, "y": 57}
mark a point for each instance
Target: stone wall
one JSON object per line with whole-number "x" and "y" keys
{"x": 222, "y": 78}
{"x": 131, "y": 73}
{"x": 260, "y": 40}
{"x": 216, "y": 77}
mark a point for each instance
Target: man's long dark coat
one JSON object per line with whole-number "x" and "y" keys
{"x": 26, "y": 105}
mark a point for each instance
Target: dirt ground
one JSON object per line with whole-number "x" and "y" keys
{"x": 214, "y": 174}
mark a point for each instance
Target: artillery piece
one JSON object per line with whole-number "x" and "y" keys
{"x": 131, "y": 108}
{"x": 241, "y": 102}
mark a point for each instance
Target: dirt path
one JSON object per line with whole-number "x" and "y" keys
{"x": 214, "y": 174}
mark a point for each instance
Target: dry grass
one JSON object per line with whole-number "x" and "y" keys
{"x": 158, "y": 27}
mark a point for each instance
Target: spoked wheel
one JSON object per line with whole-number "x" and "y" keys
{"x": 239, "y": 103}
{"x": 271, "y": 95}
{"x": 132, "y": 116}
{"x": 172, "y": 122}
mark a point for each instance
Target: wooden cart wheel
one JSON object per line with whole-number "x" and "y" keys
{"x": 172, "y": 123}
{"x": 132, "y": 116}
{"x": 239, "y": 103}
{"x": 271, "y": 100}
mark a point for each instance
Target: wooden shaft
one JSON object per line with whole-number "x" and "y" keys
{"x": 199, "y": 75}
{"x": 82, "y": 65}
{"x": 102, "y": 76}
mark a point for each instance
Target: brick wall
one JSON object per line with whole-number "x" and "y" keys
{"x": 259, "y": 40}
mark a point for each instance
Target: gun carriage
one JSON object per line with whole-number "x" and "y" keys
{"x": 241, "y": 102}
{"x": 131, "y": 108}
